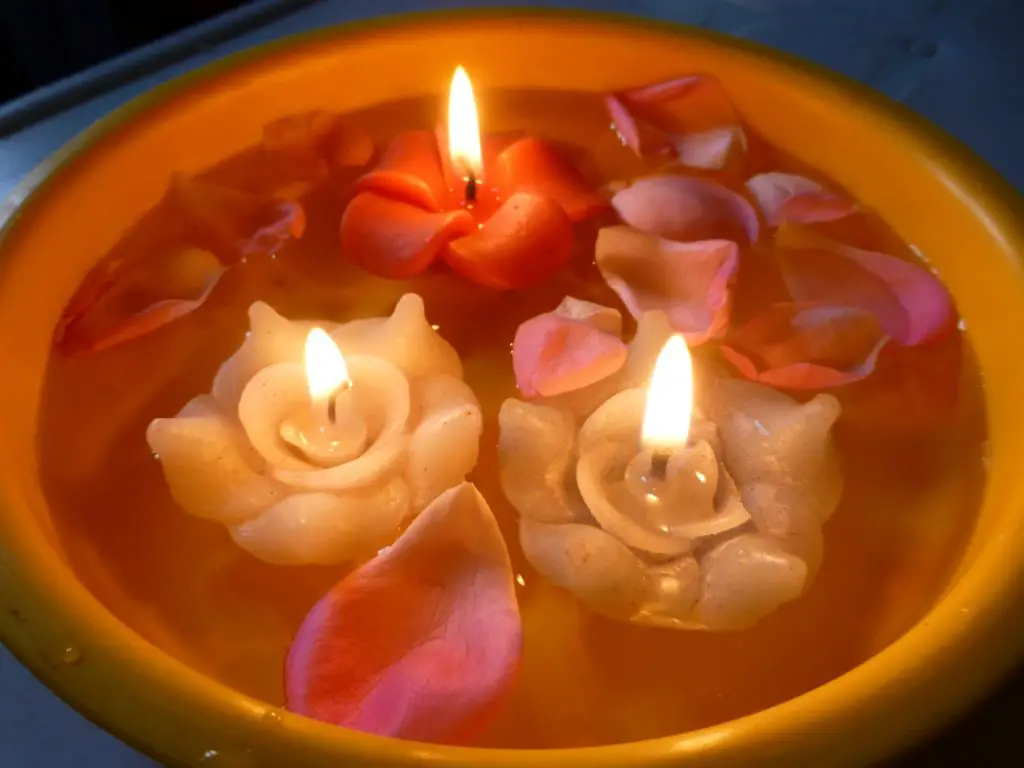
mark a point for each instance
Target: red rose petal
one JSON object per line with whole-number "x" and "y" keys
{"x": 234, "y": 224}
{"x": 525, "y": 242}
{"x": 410, "y": 170}
{"x": 920, "y": 308}
{"x": 685, "y": 208}
{"x": 423, "y": 641}
{"x": 807, "y": 346}
{"x": 690, "y": 282}
{"x": 552, "y": 354}
{"x": 535, "y": 167}
{"x": 395, "y": 239}
{"x": 787, "y": 197}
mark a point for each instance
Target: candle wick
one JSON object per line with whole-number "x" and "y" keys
{"x": 471, "y": 188}
{"x": 332, "y": 400}
{"x": 659, "y": 465}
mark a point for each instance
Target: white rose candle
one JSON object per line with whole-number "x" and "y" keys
{"x": 319, "y": 442}
{"x": 659, "y": 510}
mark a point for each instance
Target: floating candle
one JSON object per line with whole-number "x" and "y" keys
{"x": 422, "y": 203}
{"x": 308, "y": 460}
{"x": 657, "y": 511}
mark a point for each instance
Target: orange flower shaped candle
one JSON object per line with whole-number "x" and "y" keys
{"x": 499, "y": 219}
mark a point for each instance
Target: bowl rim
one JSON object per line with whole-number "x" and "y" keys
{"x": 733, "y": 740}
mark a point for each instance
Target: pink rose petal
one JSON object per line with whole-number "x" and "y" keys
{"x": 911, "y": 303}
{"x": 552, "y": 354}
{"x": 423, "y": 641}
{"x": 690, "y": 282}
{"x": 787, "y": 197}
{"x": 807, "y": 346}
{"x": 685, "y": 208}
{"x": 711, "y": 149}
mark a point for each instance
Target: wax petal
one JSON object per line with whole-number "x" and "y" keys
{"x": 658, "y": 120}
{"x": 445, "y": 442}
{"x": 787, "y": 197}
{"x": 690, "y": 282}
{"x": 525, "y": 242}
{"x": 423, "y": 641}
{"x": 589, "y": 563}
{"x": 300, "y": 151}
{"x": 602, "y": 318}
{"x": 745, "y": 579}
{"x": 534, "y": 167}
{"x": 921, "y": 309}
{"x": 685, "y": 208}
{"x": 410, "y": 171}
{"x": 326, "y": 528}
{"x": 139, "y": 300}
{"x": 807, "y": 346}
{"x": 209, "y": 468}
{"x": 793, "y": 526}
{"x": 406, "y": 338}
{"x": 395, "y": 239}
{"x": 535, "y": 453}
{"x": 236, "y": 224}
{"x": 552, "y": 355}
{"x": 673, "y": 589}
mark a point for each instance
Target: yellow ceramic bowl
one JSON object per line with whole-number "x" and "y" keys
{"x": 934, "y": 193}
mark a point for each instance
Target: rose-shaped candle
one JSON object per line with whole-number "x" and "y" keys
{"x": 657, "y": 509}
{"x": 502, "y": 219}
{"x": 319, "y": 442}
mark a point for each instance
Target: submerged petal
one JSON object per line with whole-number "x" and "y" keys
{"x": 536, "y": 168}
{"x": 690, "y": 282}
{"x": 395, "y": 239}
{"x": 423, "y": 641}
{"x": 686, "y": 208}
{"x": 787, "y": 197}
{"x": 525, "y": 242}
{"x": 300, "y": 151}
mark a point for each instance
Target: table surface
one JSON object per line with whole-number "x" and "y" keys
{"x": 957, "y": 62}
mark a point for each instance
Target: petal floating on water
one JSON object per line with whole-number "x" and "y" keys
{"x": 690, "y": 282}
{"x": 525, "y": 242}
{"x": 299, "y": 151}
{"x": 806, "y": 346}
{"x": 410, "y": 170}
{"x": 685, "y": 208}
{"x": 396, "y": 239}
{"x": 787, "y": 197}
{"x": 422, "y": 642}
{"x": 535, "y": 167}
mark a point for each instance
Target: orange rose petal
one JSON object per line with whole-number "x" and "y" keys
{"x": 410, "y": 170}
{"x": 423, "y": 642}
{"x": 525, "y": 242}
{"x": 395, "y": 239}
{"x": 535, "y": 167}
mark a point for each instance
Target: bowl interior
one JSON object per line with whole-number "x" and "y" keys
{"x": 933, "y": 194}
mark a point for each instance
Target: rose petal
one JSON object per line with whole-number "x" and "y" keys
{"x": 684, "y": 208}
{"x": 525, "y": 242}
{"x": 423, "y": 641}
{"x": 914, "y": 308}
{"x": 787, "y": 197}
{"x": 689, "y": 281}
{"x": 410, "y": 171}
{"x": 656, "y": 120}
{"x": 210, "y": 470}
{"x": 602, "y": 318}
{"x": 325, "y": 528}
{"x": 807, "y": 346}
{"x": 236, "y": 224}
{"x": 552, "y": 355}
{"x": 395, "y": 239}
{"x": 710, "y": 150}
{"x": 300, "y": 151}
{"x": 534, "y": 167}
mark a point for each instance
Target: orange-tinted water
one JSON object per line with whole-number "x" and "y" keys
{"x": 184, "y": 586}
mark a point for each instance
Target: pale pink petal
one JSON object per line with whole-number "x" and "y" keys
{"x": 787, "y": 197}
{"x": 603, "y": 318}
{"x": 711, "y": 149}
{"x": 423, "y": 641}
{"x": 552, "y": 354}
{"x": 806, "y": 346}
{"x": 686, "y": 208}
{"x": 690, "y": 282}
{"x": 910, "y": 302}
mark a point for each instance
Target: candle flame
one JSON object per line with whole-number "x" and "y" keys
{"x": 669, "y": 408}
{"x": 464, "y": 128}
{"x": 326, "y": 371}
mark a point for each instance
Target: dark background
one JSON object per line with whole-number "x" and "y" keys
{"x": 45, "y": 40}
